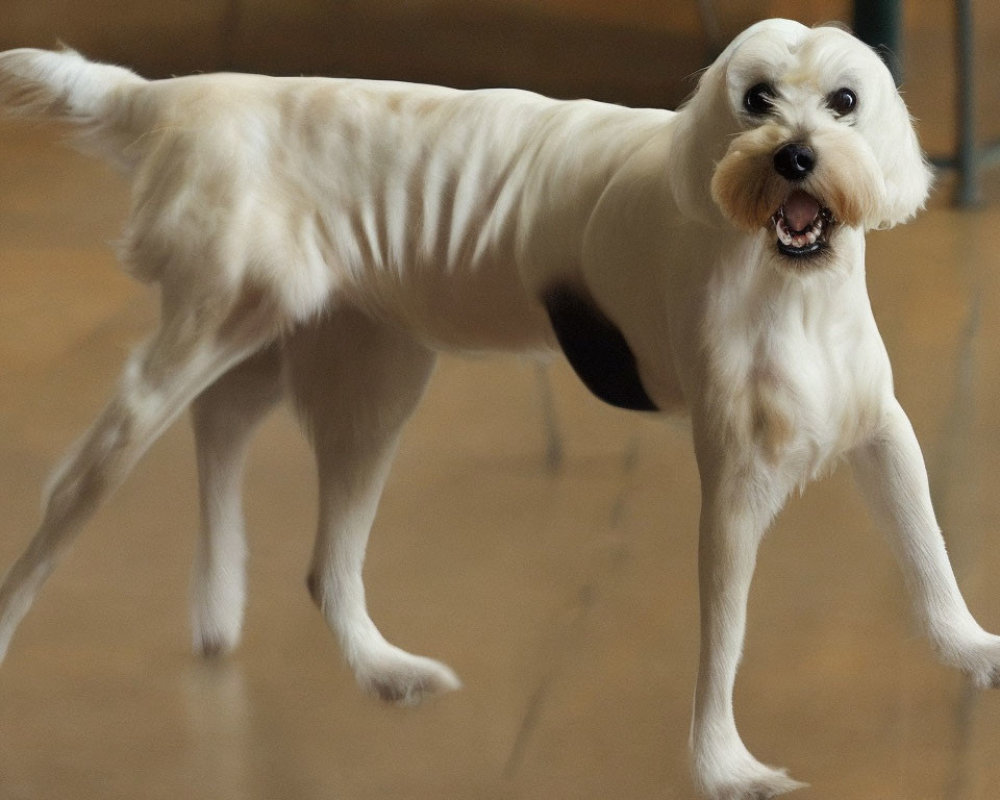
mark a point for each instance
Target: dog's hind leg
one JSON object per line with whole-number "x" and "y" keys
{"x": 192, "y": 347}
{"x": 355, "y": 383}
{"x": 224, "y": 416}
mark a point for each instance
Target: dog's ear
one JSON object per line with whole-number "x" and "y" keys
{"x": 885, "y": 125}
{"x": 702, "y": 129}
{"x": 707, "y": 122}
{"x": 906, "y": 172}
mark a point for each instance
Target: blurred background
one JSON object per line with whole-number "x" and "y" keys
{"x": 541, "y": 543}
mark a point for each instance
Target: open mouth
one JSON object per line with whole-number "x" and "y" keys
{"x": 803, "y": 225}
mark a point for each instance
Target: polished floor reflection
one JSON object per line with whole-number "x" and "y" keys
{"x": 539, "y": 542}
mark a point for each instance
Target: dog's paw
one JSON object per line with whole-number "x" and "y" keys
{"x": 745, "y": 778}
{"x": 762, "y": 787}
{"x": 977, "y": 655}
{"x": 216, "y": 626}
{"x": 213, "y": 644}
{"x": 403, "y": 679}
{"x": 211, "y": 640}
{"x": 986, "y": 676}
{"x": 983, "y": 667}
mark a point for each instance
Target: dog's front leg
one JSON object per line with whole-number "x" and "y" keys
{"x": 891, "y": 474}
{"x": 738, "y": 504}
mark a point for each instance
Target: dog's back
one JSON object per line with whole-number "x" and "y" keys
{"x": 417, "y": 200}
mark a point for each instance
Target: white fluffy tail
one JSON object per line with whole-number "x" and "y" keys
{"x": 95, "y": 99}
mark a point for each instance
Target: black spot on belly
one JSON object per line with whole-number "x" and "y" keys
{"x": 596, "y": 349}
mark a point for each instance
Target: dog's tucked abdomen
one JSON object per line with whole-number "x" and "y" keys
{"x": 596, "y": 349}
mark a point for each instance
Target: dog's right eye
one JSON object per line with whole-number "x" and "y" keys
{"x": 759, "y": 99}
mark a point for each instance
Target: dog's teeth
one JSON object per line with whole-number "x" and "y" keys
{"x": 799, "y": 239}
{"x": 783, "y": 233}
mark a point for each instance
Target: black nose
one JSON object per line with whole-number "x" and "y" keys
{"x": 794, "y": 161}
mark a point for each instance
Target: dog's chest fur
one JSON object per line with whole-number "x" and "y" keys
{"x": 792, "y": 366}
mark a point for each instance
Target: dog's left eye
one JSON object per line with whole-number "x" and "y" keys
{"x": 842, "y": 102}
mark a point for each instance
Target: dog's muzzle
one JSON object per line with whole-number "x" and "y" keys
{"x": 802, "y": 222}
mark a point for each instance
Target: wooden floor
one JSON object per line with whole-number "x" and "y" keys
{"x": 539, "y": 542}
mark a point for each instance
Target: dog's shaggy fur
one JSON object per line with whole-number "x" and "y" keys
{"x": 324, "y": 238}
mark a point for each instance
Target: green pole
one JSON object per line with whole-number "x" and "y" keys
{"x": 878, "y": 23}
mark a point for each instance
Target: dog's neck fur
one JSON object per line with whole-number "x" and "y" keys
{"x": 782, "y": 358}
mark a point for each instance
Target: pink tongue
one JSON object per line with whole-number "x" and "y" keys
{"x": 800, "y": 210}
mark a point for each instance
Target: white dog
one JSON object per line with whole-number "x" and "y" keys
{"x": 327, "y": 237}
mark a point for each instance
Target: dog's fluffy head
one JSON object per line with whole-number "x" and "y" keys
{"x": 798, "y": 131}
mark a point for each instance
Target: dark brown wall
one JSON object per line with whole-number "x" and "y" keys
{"x": 638, "y": 52}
